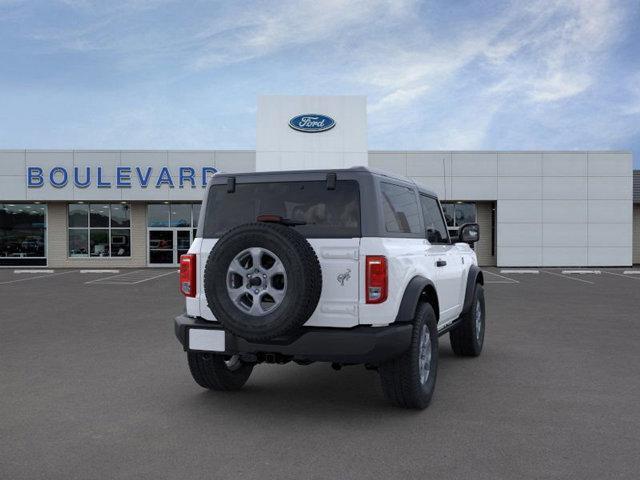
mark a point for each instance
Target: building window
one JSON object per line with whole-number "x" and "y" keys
{"x": 99, "y": 230}
{"x": 172, "y": 228}
{"x": 23, "y": 234}
{"x": 457, "y": 214}
{"x": 158, "y": 215}
{"x": 173, "y": 215}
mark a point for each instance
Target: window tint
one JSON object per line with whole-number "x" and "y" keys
{"x": 434, "y": 224}
{"x": 120, "y": 242}
{"x": 172, "y": 215}
{"x": 99, "y": 242}
{"x": 180, "y": 215}
{"x": 322, "y": 212}
{"x": 449, "y": 214}
{"x": 91, "y": 230}
{"x": 22, "y": 230}
{"x": 400, "y": 207}
{"x": 120, "y": 215}
{"x": 78, "y": 215}
{"x": 457, "y": 214}
{"x": 196, "y": 215}
{"x": 158, "y": 215}
{"x": 99, "y": 215}
{"x": 465, "y": 213}
{"x": 79, "y": 242}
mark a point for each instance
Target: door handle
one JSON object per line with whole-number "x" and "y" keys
{"x": 441, "y": 263}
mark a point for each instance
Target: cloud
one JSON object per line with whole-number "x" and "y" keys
{"x": 274, "y": 26}
{"x": 540, "y": 74}
{"x": 215, "y": 34}
{"x": 559, "y": 86}
{"x": 398, "y": 98}
{"x": 530, "y": 55}
{"x": 547, "y": 49}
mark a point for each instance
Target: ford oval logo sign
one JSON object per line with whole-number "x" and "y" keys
{"x": 312, "y": 123}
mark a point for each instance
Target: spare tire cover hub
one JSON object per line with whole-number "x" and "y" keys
{"x": 256, "y": 281}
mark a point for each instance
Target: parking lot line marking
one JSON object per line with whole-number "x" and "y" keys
{"x": 99, "y": 271}
{"x": 500, "y": 276}
{"x": 520, "y": 271}
{"x": 121, "y": 275}
{"x": 33, "y": 271}
{"x": 39, "y": 276}
{"x": 623, "y": 276}
{"x": 498, "y": 281}
{"x": 567, "y": 277}
{"x": 112, "y": 276}
{"x": 581, "y": 272}
{"x": 631, "y": 272}
{"x": 129, "y": 278}
{"x": 157, "y": 276}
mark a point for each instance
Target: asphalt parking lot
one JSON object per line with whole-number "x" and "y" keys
{"x": 94, "y": 385}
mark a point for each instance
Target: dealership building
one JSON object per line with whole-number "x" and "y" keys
{"x": 138, "y": 208}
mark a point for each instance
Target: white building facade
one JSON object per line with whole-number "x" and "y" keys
{"x": 122, "y": 208}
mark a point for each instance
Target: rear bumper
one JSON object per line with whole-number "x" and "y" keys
{"x": 362, "y": 344}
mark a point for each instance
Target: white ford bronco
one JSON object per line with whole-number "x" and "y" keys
{"x": 350, "y": 266}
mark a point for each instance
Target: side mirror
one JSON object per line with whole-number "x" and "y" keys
{"x": 469, "y": 233}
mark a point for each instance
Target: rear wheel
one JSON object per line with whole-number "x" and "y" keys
{"x": 409, "y": 380}
{"x": 218, "y": 372}
{"x": 467, "y": 339}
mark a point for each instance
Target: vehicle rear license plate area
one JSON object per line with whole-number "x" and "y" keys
{"x": 207, "y": 340}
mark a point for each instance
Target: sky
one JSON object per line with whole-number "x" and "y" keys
{"x": 454, "y": 75}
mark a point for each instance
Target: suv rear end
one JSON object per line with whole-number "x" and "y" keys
{"x": 310, "y": 266}
{"x": 332, "y": 225}
{"x": 327, "y": 209}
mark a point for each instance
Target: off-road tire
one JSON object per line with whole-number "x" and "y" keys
{"x": 210, "y": 371}
{"x": 304, "y": 280}
{"x": 465, "y": 339}
{"x": 400, "y": 377}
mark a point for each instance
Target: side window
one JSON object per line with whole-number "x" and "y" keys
{"x": 400, "y": 208}
{"x": 434, "y": 224}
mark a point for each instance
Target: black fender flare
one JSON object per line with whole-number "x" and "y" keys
{"x": 411, "y": 298}
{"x": 475, "y": 276}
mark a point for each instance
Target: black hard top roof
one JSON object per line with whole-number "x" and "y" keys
{"x": 221, "y": 177}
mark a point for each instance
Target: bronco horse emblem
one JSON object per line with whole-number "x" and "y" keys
{"x": 343, "y": 277}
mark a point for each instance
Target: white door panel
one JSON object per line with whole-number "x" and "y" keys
{"x": 438, "y": 258}
{"x": 339, "y": 261}
{"x": 467, "y": 257}
{"x": 449, "y": 270}
{"x": 451, "y": 276}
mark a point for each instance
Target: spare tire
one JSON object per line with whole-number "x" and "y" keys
{"x": 262, "y": 280}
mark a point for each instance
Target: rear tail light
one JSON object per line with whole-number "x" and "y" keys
{"x": 376, "y": 279}
{"x": 188, "y": 275}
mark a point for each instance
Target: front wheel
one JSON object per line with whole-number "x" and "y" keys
{"x": 467, "y": 338}
{"x": 218, "y": 372}
{"x": 409, "y": 380}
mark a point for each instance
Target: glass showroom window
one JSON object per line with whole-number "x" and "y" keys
{"x": 99, "y": 230}
{"x": 173, "y": 215}
{"x": 457, "y": 214}
{"x": 23, "y": 229}
{"x": 172, "y": 228}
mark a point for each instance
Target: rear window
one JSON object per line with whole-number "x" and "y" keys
{"x": 327, "y": 213}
